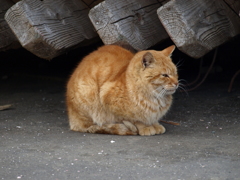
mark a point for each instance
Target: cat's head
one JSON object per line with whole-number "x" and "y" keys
{"x": 157, "y": 71}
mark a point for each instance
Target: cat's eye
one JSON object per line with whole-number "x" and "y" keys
{"x": 165, "y": 75}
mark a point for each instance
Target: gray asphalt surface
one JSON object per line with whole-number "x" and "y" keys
{"x": 36, "y": 143}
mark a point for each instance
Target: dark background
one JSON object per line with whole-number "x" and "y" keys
{"x": 21, "y": 62}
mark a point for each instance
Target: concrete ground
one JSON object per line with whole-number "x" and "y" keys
{"x": 36, "y": 143}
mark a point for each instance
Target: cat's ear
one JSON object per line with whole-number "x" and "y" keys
{"x": 168, "y": 51}
{"x": 147, "y": 60}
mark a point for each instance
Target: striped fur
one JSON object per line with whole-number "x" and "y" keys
{"x": 114, "y": 91}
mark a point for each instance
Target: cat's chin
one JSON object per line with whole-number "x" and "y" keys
{"x": 172, "y": 91}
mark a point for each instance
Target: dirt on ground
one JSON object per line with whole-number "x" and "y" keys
{"x": 36, "y": 143}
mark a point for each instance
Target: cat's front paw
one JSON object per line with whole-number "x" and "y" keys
{"x": 147, "y": 131}
{"x": 160, "y": 129}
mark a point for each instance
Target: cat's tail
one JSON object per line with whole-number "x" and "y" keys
{"x": 125, "y": 128}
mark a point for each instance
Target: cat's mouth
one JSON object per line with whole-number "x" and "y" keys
{"x": 166, "y": 90}
{"x": 171, "y": 91}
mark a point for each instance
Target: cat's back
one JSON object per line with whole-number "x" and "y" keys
{"x": 112, "y": 56}
{"x": 107, "y": 61}
{"x": 108, "y": 54}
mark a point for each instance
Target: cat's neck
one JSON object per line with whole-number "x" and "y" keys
{"x": 138, "y": 92}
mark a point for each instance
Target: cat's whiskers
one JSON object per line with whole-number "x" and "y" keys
{"x": 161, "y": 93}
{"x": 182, "y": 80}
{"x": 179, "y": 63}
{"x": 164, "y": 91}
{"x": 182, "y": 89}
{"x": 182, "y": 86}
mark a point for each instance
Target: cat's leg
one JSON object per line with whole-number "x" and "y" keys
{"x": 125, "y": 128}
{"x": 79, "y": 122}
{"x": 148, "y": 130}
{"x": 83, "y": 124}
{"x": 130, "y": 126}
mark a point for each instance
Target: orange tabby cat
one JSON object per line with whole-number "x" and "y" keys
{"x": 114, "y": 91}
